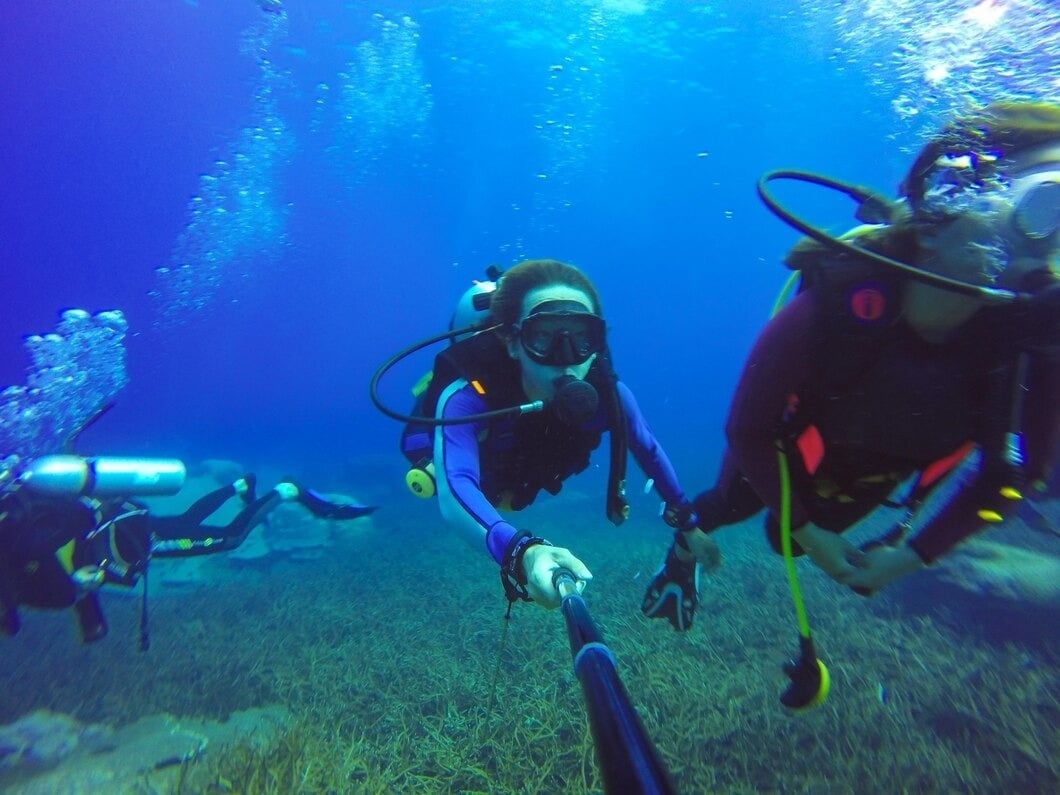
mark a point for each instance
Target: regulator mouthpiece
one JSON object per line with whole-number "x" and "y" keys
{"x": 575, "y": 401}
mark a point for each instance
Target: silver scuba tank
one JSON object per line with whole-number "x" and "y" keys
{"x": 473, "y": 308}
{"x": 104, "y": 476}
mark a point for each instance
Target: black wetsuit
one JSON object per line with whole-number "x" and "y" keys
{"x": 859, "y": 409}
{"x": 44, "y": 540}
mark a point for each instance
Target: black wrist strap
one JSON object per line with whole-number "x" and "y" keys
{"x": 513, "y": 578}
{"x": 680, "y": 515}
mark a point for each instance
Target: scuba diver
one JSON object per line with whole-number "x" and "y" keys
{"x": 70, "y": 525}
{"x": 515, "y": 406}
{"x": 922, "y": 342}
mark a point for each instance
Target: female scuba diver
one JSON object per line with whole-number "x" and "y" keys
{"x": 69, "y": 525}
{"x": 926, "y": 335}
{"x": 517, "y": 406}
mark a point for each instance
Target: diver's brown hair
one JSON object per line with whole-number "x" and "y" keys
{"x": 506, "y": 304}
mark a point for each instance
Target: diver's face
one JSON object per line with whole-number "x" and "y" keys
{"x": 995, "y": 235}
{"x": 969, "y": 247}
{"x": 991, "y": 236}
{"x": 538, "y": 378}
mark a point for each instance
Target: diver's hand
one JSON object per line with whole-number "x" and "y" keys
{"x": 703, "y": 548}
{"x": 831, "y": 553}
{"x": 539, "y": 565}
{"x": 883, "y": 565}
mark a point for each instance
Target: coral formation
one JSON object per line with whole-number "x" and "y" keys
{"x": 56, "y": 753}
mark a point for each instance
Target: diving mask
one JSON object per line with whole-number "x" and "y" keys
{"x": 973, "y": 182}
{"x": 959, "y": 185}
{"x": 561, "y": 333}
{"x": 1037, "y": 211}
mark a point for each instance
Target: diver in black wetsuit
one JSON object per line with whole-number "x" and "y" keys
{"x": 58, "y": 549}
{"x": 928, "y": 337}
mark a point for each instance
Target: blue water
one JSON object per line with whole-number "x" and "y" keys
{"x": 278, "y": 196}
{"x": 437, "y": 147}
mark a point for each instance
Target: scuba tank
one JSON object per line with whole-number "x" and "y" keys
{"x": 471, "y": 315}
{"x": 75, "y": 476}
{"x": 473, "y": 308}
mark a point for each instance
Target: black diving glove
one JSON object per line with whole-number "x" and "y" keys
{"x": 674, "y": 592}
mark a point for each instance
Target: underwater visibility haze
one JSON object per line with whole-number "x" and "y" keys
{"x": 224, "y": 215}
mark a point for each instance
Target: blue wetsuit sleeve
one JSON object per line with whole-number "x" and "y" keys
{"x": 647, "y": 451}
{"x": 457, "y": 471}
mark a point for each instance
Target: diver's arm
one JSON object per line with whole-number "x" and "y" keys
{"x": 456, "y": 463}
{"x": 774, "y": 372}
{"x": 962, "y": 516}
{"x": 984, "y": 495}
{"x": 647, "y": 451}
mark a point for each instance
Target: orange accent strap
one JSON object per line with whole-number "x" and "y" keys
{"x": 936, "y": 470}
{"x": 478, "y": 387}
{"x": 811, "y": 448}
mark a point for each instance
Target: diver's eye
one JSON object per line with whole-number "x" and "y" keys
{"x": 539, "y": 339}
{"x": 581, "y": 342}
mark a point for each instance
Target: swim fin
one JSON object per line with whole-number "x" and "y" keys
{"x": 326, "y": 509}
{"x": 673, "y": 593}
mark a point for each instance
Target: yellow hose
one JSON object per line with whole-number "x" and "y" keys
{"x": 785, "y": 543}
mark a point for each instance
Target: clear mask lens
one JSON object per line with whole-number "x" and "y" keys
{"x": 561, "y": 338}
{"x": 1037, "y": 215}
{"x": 958, "y": 184}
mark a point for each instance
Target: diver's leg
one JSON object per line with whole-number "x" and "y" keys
{"x": 212, "y": 502}
{"x": 179, "y": 538}
{"x": 176, "y": 537}
{"x": 90, "y": 620}
{"x": 286, "y": 491}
